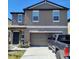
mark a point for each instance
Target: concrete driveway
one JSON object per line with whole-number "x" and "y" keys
{"x": 38, "y": 53}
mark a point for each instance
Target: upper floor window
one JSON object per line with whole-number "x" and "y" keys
{"x": 20, "y": 17}
{"x": 56, "y": 15}
{"x": 35, "y": 16}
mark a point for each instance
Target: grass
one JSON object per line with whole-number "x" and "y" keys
{"x": 17, "y": 54}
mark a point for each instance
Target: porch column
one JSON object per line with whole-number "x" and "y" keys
{"x": 20, "y": 36}
{"x": 10, "y": 37}
{"x": 27, "y": 37}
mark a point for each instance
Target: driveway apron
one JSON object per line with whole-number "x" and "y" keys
{"x": 38, "y": 53}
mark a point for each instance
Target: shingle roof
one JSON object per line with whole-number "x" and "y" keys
{"x": 17, "y": 12}
{"x": 28, "y": 8}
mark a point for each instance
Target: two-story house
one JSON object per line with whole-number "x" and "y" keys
{"x": 37, "y": 22}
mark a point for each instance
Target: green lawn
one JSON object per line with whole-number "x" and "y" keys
{"x": 15, "y": 54}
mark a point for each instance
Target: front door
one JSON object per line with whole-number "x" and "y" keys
{"x": 15, "y": 37}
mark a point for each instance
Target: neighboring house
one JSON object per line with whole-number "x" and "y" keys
{"x": 9, "y": 31}
{"x": 68, "y": 26}
{"x": 37, "y": 22}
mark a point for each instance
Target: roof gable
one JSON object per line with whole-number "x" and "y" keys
{"x": 45, "y": 5}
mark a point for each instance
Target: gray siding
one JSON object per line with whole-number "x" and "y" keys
{"x": 64, "y": 30}
{"x": 45, "y": 18}
{"x": 15, "y": 19}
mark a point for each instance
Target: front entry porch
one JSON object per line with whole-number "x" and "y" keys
{"x": 17, "y": 38}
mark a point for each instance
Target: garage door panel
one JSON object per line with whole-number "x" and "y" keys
{"x": 39, "y": 39}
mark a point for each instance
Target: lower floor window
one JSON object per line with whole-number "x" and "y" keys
{"x": 22, "y": 36}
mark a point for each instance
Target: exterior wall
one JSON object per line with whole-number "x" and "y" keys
{"x": 27, "y": 32}
{"x": 46, "y": 5}
{"x": 64, "y": 30}
{"x": 15, "y": 20}
{"x": 45, "y": 18}
{"x": 27, "y": 36}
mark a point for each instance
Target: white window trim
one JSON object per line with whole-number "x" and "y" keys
{"x": 18, "y": 18}
{"x": 35, "y": 11}
{"x": 56, "y": 21}
{"x": 32, "y": 16}
{"x": 53, "y": 16}
{"x": 47, "y": 26}
{"x": 56, "y": 10}
{"x": 35, "y": 21}
{"x": 20, "y": 21}
{"x": 17, "y": 26}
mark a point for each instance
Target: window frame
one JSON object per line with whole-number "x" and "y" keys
{"x": 33, "y": 16}
{"x": 20, "y": 21}
{"x": 54, "y": 15}
{"x": 22, "y": 34}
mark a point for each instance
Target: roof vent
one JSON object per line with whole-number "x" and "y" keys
{"x": 45, "y": 1}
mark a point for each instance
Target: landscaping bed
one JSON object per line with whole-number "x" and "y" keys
{"x": 15, "y": 54}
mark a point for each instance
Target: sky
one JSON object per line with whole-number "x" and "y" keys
{"x": 19, "y": 5}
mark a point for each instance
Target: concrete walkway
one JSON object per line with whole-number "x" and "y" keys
{"x": 15, "y": 47}
{"x": 38, "y": 53}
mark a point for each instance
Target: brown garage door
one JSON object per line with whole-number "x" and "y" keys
{"x": 39, "y": 39}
